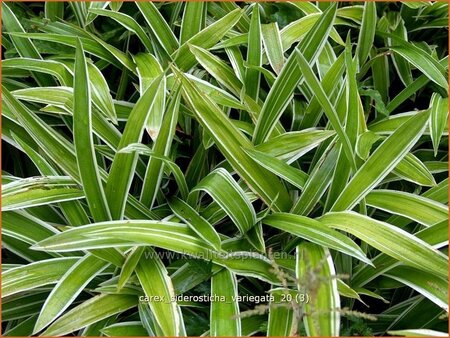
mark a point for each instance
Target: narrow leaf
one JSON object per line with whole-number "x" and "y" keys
{"x": 89, "y": 312}
{"x": 390, "y": 240}
{"x": 230, "y": 196}
{"x": 224, "y": 320}
{"x": 438, "y": 119}
{"x": 324, "y": 305}
{"x": 382, "y": 161}
{"x": 230, "y": 140}
{"x": 283, "y": 88}
{"x": 155, "y": 281}
{"x": 417, "y": 208}
{"x": 68, "y": 288}
{"x": 122, "y": 169}
{"x": 254, "y": 55}
{"x": 367, "y": 31}
{"x": 197, "y": 223}
{"x": 272, "y": 46}
{"x": 83, "y": 141}
{"x": 315, "y": 232}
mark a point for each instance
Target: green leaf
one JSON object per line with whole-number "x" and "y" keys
{"x": 35, "y": 191}
{"x": 34, "y": 275}
{"x": 148, "y": 70}
{"x": 419, "y": 209}
{"x": 296, "y": 30}
{"x": 161, "y": 147}
{"x": 438, "y": 119}
{"x": 382, "y": 161}
{"x": 292, "y": 145}
{"x": 122, "y": 169}
{"x": 272, "y": 45}
{"x": 159, "y": 26}
{"x": 168, "y": 235}
{"x": 218, "y": 95}
{"x": 54, "y": 10}
{"x": 315, "y": 232}
{"x": 294, "y": 176}
{"x": 196, "y": 222}
{"x": 281, "y": 315}
{"x": 365, "y": 142}
{"x": 90, "y": 17}
{"x": 414, "y": 170}
{"x": 194, "y": 17}
{"x": 22, "y": 306}
{"x": 381, "y": 78}
{"x": 367, "y": 32}
{"x": 250, "y": 264}
{"x": 218, "y": 68}
{"x": 390, "y": 240}
{"x": 115, "y": 5}
{"x": 84, "y": 143}
{"x": 402, "y": 66}
{"x": 175, "y": 169}
{"x": 283, "y": 88}
{"x": 92, "y": 45}
{"x": 169, "y": 95}
{"x": 436, "y": 236}
{"x": 432, "y": 287}
{"x": 353, "y": 120}
{"x": 206, "y": 38}
{"x": 315, "y": 86}
{"x": 254, "y": 55}
{"x": 68, "y": 288}
{"x": 63, "y": 97}
{"x": 80, "y": 11}
{"x": 58, "y": 148}
{"x": 333, "y": 76}
{"x": 416, "y": 4}
{"x": 28, "y": 228}
{"x": 91, "y": 311}
{"x": 417, "y": 333}
{"x": 100, "y": 93}
{"x": 224, "y": 316}
{"x": 131, "y": 329}
{"x": 129, "y": 265}
{"x": 318, "y": 181}
{"x": 347, "y": 291}
{"x": 410, "y": 90}
{"x": 155, "y": 281}
{"x": 230, "y": 140}
{"x": 52, "y": 67}
{"x": 23, "y": 45}
{"x": 221, "y": 186}
{"x": 128, "y": 22}
{"x": 324, "y": 305}
{"x": 422, "y": 61}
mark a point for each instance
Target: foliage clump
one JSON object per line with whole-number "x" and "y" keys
{"x": 296, "y": 151}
